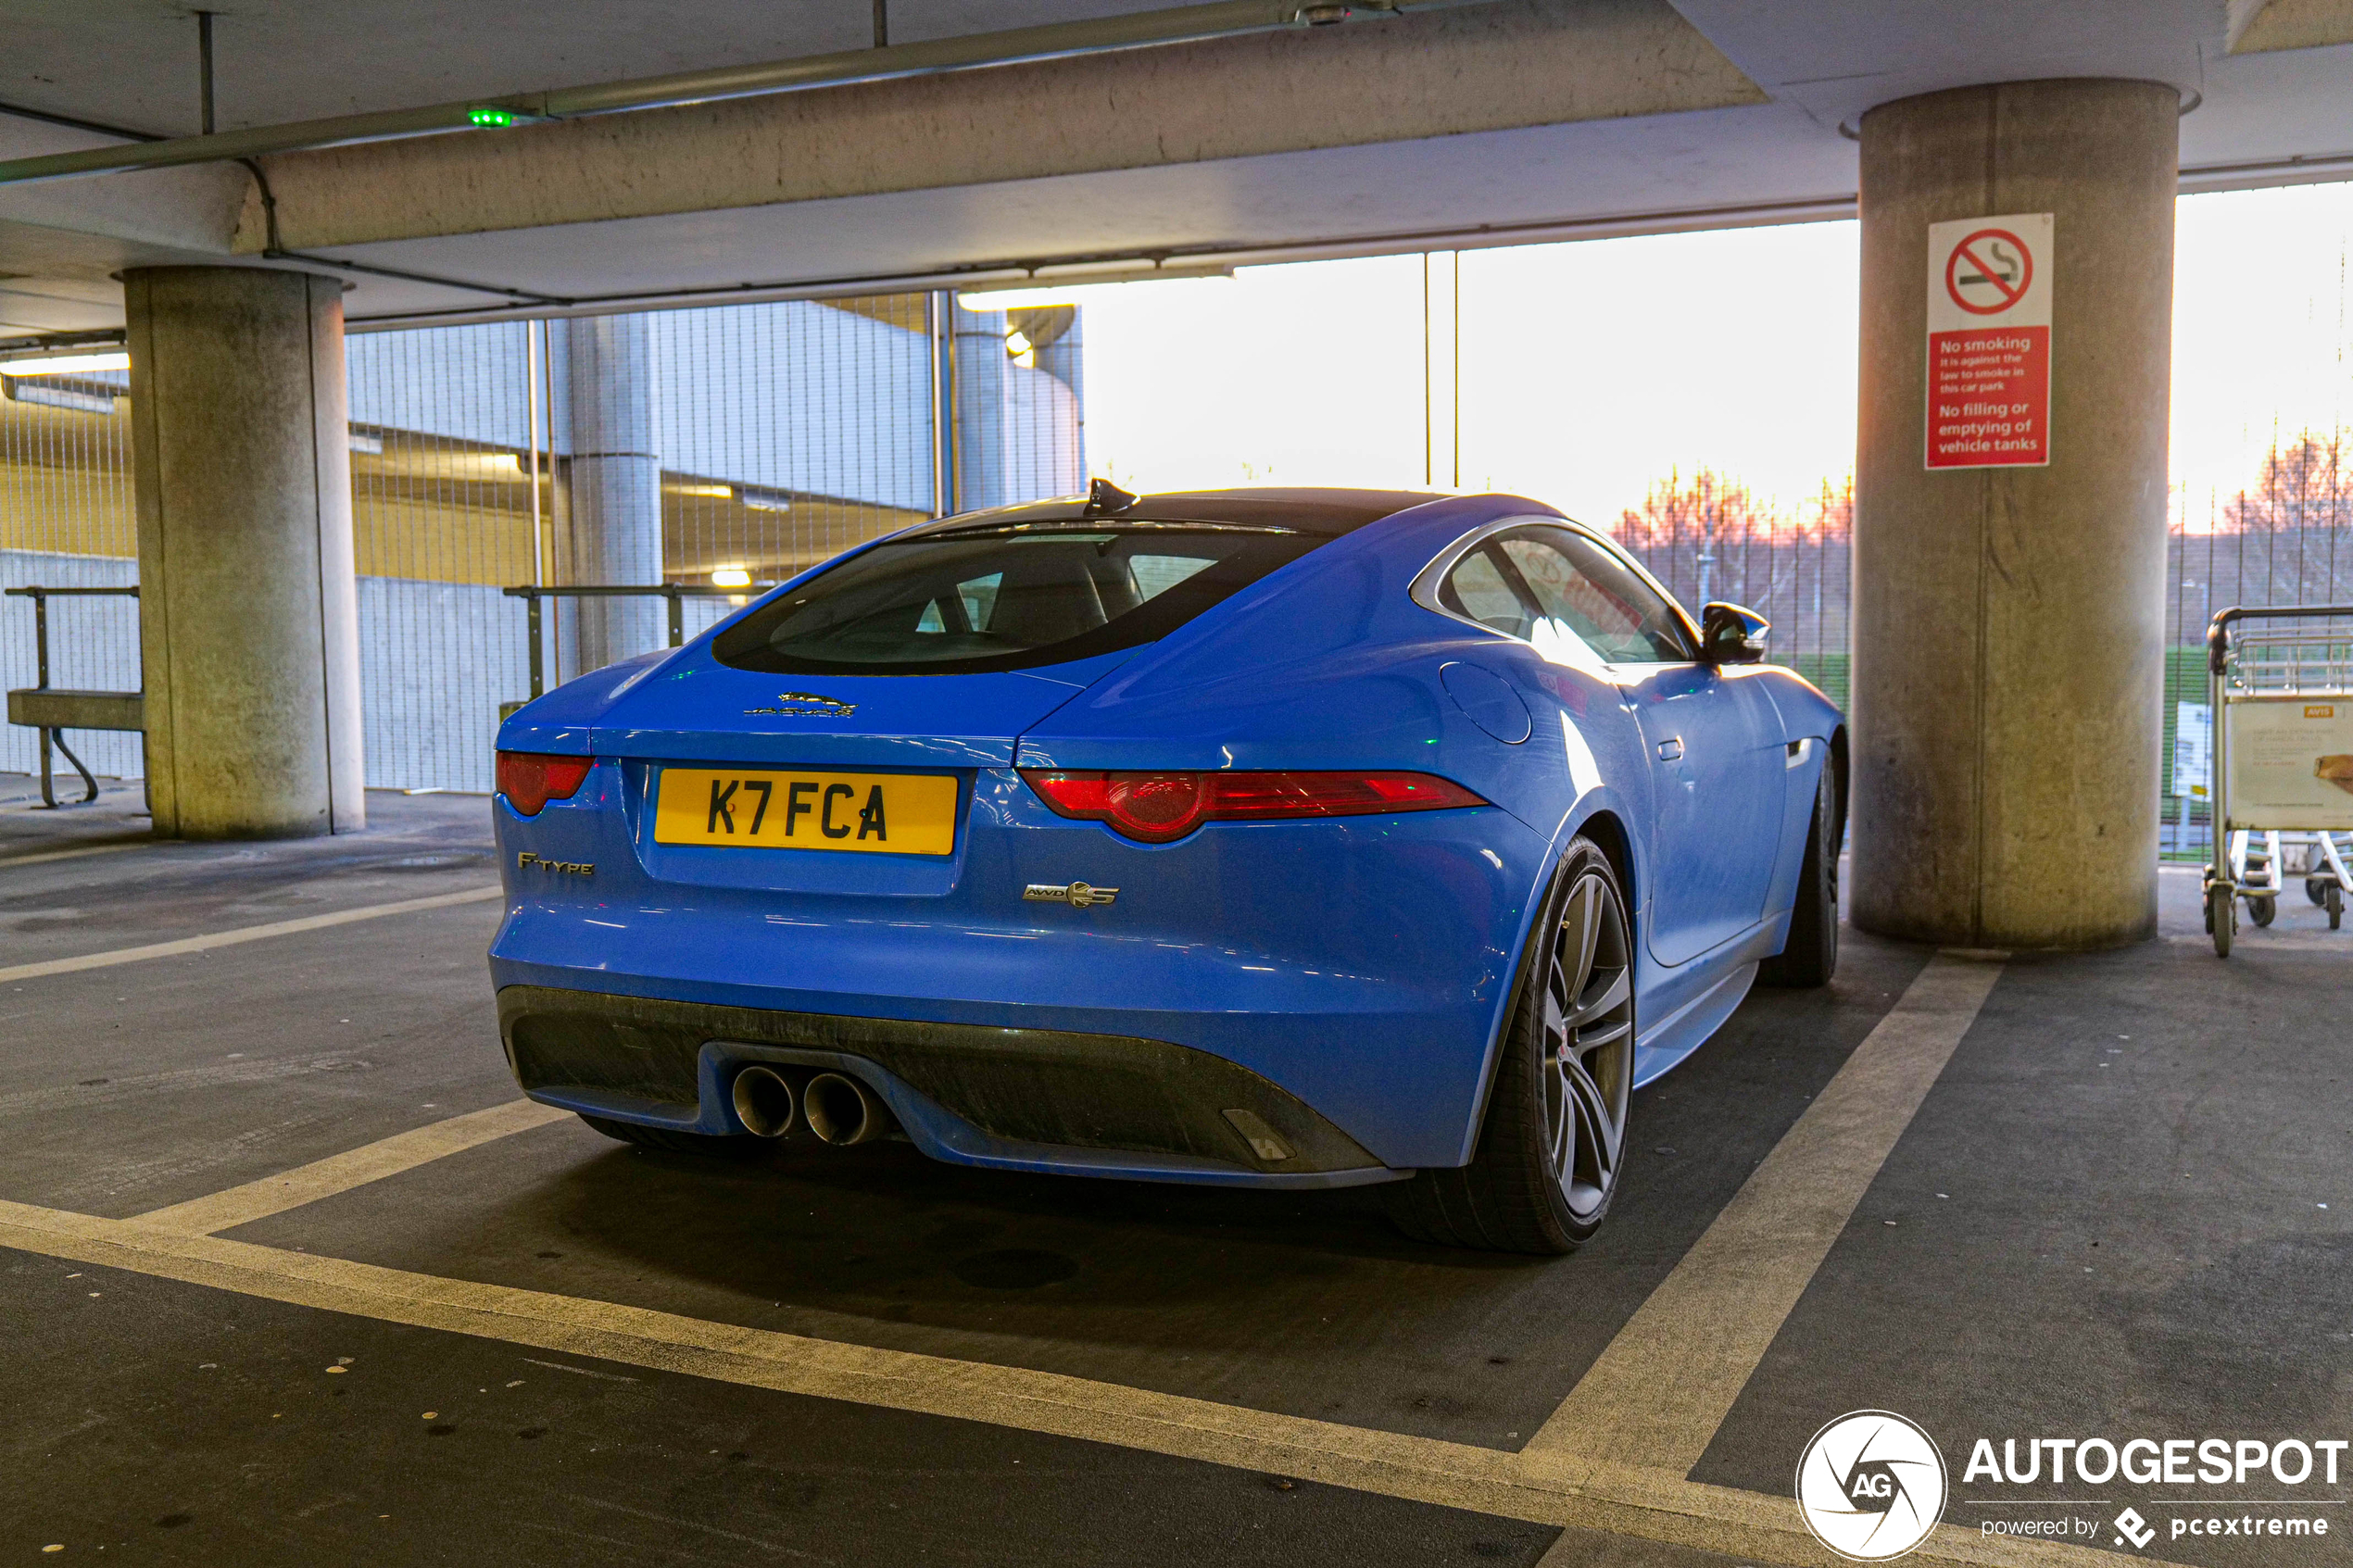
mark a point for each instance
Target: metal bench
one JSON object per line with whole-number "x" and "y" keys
{"x": 55, "y": 710}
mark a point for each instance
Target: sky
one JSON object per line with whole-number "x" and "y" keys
{"x": 1592, "y": 369}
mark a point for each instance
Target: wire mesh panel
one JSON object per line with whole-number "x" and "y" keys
{"x": 719, "y": 447}
{"x": 2286, "y": 540}
{"x": 449, "y": 496}
{"x": 786, "y": 434}
{"x": 66, "y": 521}
{"x": 1708, "y": 539}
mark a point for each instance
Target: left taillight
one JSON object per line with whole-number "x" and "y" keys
{"x": 530, "y": 779}
{"x": 1160, "y": 807}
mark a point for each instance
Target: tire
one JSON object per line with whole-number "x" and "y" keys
{"x": 1810, "y": 956}
{"x": 2263, "y": 910}
{"x": 2336, "y": 905}
{"x": 2317, "y": 889}
{"x": 2221, "y": 919}
{"x": 1553, "y": 1143}
{"x": 719, "y": 1146}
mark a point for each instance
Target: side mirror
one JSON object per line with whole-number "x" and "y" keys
{"x": 1730, "y": 634}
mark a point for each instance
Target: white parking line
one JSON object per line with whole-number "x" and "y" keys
{"x": 47, "y": 855}
{"x": 242, "y": 934}
{"x": 1663, "y": 1387}
{"x": 1648, "y": 1505}
{"x": 340, "y": 1172}
{"x": 1613, "y": 1458}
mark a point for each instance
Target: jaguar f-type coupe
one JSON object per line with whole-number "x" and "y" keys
{"x": 1277, "y": 838}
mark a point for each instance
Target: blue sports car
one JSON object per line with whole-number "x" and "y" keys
{"x": 1279, "y": 838}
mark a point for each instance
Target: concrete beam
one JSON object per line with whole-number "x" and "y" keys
{"x": 2261, "y": 26}
{"x": 1528, "y": 62}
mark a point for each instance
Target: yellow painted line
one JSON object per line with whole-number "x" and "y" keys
{"x": 1661, "y": 1388}
{"x": 244, "y": 933}
{"x": 341, "y": 1173}
{"x": 48, "y": 855}
{"x": 1649, "y": 1505}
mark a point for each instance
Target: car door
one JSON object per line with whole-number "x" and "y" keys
{"x": 1712, "y": 737}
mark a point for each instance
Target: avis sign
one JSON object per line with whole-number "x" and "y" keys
{"x": 1989, "y": 342}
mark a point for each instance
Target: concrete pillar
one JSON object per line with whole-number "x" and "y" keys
{"x": 614, "y": 487}
{"x": 982, "y": 478}
{"x": 248, "y": 611}
{"x": 2008, "y": 624}
{"x": 1064, "y": 358}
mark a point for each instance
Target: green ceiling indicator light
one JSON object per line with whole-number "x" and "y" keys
{"x": 492, "y": 116}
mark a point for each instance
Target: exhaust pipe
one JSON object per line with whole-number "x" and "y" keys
{"x": 843, "y": 1111}
{"x": 763, "y": 1102}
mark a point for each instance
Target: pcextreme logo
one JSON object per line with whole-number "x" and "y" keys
{"x": 1871, "y": 1484}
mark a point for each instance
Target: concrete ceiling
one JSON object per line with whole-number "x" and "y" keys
{"x": 1510, "y": 120}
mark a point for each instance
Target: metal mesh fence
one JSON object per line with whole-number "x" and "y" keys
{"x": 727, "y": 447}
{"x": 1707, "y": 538}
{"x": 66, "y": 521}
{"x": 719, "y": 447}
{"x": 2289, "y": 540}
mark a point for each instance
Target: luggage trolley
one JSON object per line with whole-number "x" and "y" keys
{"x": 2283, "y": 705}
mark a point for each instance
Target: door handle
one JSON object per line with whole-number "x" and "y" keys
{"x": 1671, "y": 750}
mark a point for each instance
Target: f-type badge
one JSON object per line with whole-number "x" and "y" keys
{"x": 1078, "y": 895}
{"x": 805, "y": 705}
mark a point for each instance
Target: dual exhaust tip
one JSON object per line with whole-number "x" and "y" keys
{"x": 838, "y": 1108}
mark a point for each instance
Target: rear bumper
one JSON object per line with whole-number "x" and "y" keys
{"x": 1358, "y": 964}
{"x": 1026, "y": 1099}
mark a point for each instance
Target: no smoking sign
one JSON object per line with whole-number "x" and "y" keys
{"x": 1989, "y": 342}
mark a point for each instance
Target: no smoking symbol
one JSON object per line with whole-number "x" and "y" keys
{"x": 1989, "y": 271}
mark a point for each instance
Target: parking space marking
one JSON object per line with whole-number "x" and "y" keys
{"x": 47, "y": 855}
{"x": 1649, "y": 1505}
{"x": 340, "y": 1172}
{"x": 242, "y": 934}
{"x": 1659, "y": 1391}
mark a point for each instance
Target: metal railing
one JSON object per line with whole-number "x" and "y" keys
{"x": 676, "y": 593}
{"x": 50, "y": 733}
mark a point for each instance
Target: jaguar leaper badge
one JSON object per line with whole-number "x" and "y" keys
{"x": 805, "y": 705}
{"x": 1078, "y": 894}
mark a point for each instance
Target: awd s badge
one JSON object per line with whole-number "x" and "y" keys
{"x": 1078, "y": 894}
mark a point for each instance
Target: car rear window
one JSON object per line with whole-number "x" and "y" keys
{"x": 1005, "y": 598}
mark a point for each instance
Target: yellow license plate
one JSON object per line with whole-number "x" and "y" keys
{"x": 880, "y": 813}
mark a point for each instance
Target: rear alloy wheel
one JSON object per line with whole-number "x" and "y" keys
{"x": 1553, "y": 1140}
{"x": 721, "y": 1146}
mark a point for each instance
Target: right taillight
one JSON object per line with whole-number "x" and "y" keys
{"x": 530, "y": 779}
{"x": 1158, "y": 808}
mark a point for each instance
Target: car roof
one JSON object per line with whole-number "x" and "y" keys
{"x": 1307, "y": 509}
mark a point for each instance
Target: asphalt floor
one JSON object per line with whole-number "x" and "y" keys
{"x": 2119, "y": 1210}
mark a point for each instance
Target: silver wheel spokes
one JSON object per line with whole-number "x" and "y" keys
{"x": 1588, "y": 1045}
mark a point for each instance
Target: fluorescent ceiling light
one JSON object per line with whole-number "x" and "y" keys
{"x": 373, "y": 445}
{"x": 762, "y": 501}
{"x": 1077, "y": 291}
{"x": 1018, "y": 299}
{"x": 66, "y": 364}
{"x": 1018, "y": 344}
{"x": 730, "y": 577}
{"x": 720, "y": 492}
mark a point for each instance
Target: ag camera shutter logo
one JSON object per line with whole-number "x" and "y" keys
{"x": 1871, "y": 1484}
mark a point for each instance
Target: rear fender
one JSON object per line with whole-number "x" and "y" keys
{"x": 1600, "y": 814}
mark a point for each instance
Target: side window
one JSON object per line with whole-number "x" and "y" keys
{"x": 1582, "y": 589}
{"x": 1478, "y": 590}
{"x": 1151, "y": 576}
